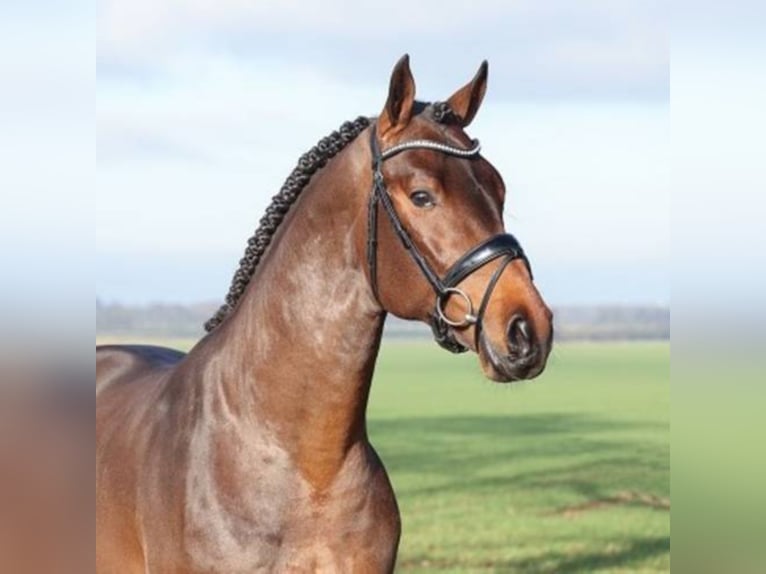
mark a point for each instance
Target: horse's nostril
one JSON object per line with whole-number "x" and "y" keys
{"x": 519, "y": 338}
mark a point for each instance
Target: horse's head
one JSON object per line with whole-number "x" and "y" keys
{"x": 437, "y": 250}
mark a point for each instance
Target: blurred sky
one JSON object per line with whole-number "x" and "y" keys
{"x": 203, "y": 108}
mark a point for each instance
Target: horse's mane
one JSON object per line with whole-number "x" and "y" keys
{"x": 308, "y": 164}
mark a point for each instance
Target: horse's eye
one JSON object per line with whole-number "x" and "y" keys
{"x": 422, "y": 199}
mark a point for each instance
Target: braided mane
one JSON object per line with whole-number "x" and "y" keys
{"x": 308, "y": 164}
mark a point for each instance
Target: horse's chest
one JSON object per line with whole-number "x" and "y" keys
{"x": 271, "y": 520}
{"x": 305, "y": 539}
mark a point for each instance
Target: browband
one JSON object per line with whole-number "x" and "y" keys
{"x": 430, "y": 144}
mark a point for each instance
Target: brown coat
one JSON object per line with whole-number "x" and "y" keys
{"x": 250, "y": 453}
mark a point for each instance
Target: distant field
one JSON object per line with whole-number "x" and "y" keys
{"x": 569, "y": 473}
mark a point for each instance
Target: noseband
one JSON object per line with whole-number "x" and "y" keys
{"x": 502, "y": 245}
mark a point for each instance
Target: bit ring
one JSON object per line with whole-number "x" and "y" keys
{"x": 469, "y": 319}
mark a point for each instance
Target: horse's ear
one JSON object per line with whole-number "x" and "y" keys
{"x": 397, "y": 112}
{"x": 466, "y": 101}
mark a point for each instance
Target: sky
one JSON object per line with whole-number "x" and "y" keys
{"x": 47, "y": 175}
{"x": 203, "y": 108}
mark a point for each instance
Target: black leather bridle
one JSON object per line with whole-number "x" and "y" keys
{"x": 502, "y": 245}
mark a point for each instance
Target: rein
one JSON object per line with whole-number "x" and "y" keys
{"x": 501, "y": 245}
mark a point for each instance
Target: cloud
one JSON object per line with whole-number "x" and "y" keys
{"x": 203, "y": 109}
{"x": 213, "y": 109}
{"x": 554, "y": 50}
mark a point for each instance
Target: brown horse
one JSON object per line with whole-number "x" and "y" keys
{"x": 250, "y": 453}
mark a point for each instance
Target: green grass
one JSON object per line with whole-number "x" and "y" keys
{"x": 568, "y": 473}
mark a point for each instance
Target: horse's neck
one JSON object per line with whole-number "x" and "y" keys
{"x": 297, "y": 355}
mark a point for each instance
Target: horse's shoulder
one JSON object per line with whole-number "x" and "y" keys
{"x": 115, "y": 362}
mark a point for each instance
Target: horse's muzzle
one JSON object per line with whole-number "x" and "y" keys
{"x": 523, "y": 358}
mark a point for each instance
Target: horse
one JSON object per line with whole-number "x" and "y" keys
{"x": 250, "y": 453}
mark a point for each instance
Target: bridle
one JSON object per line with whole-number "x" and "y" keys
{"x": 502, "y": 245}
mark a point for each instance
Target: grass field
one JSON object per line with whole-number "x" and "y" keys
{"x": 569, "y": 473}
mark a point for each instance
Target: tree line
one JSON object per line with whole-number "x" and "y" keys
{"x": 586, "y": 322}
